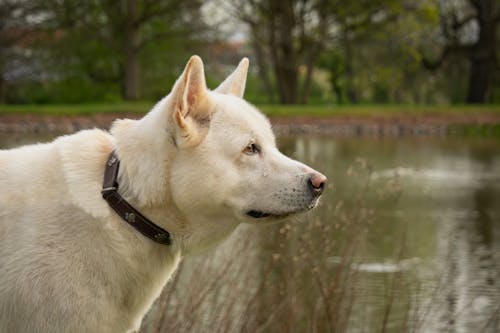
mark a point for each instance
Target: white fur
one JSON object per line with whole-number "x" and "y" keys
{"x": 68, "y": 263}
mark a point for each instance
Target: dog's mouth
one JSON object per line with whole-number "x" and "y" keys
{"x": 256, "y": 214}
{"x": 259, "y": 214}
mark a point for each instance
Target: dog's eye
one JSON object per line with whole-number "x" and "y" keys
{"x": 251, "y": 149}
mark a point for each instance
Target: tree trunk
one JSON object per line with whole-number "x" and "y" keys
{"x": 312, "y": 52}
{"x": 349, "y": 74}
{"x": 306, "y": 86}
{"x": 287, "y": 79}
{"x": 3, "y": 86}
{"x": 283, "y": 52}
{"x": 311, "y": 58}
{"x": 482, "y": 56}
{"x": 262, "y": 64}
{"x": 131, "y": 75}
{"x": 480, "y": 78}
{"x": 2, "y": 89}
{"x": 338, "y": 92}
{"x": 131, "y": 51}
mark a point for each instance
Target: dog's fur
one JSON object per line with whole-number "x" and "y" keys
{"x": 68, "y": 263}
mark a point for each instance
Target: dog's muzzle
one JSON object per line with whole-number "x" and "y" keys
{"x": 315, "y": 186}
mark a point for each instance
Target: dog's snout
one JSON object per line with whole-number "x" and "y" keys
{"x": 317, "y": 183}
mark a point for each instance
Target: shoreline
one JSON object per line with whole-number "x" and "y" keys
{"x": 394, "y": 124}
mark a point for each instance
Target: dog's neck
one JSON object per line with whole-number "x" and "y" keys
{"x": 130, "y": 147}
{"x": 151, "y": 195}
{"x": 191, "y": 236}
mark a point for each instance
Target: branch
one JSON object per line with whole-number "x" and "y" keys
{"x": 151, "y": 11}
{"x": 238, "y": 10}
{"x": 164, "y": 35}
{"x": 457, "y": 25}
{"x": 433, "y": 65}
{"x": 476, "y": 4}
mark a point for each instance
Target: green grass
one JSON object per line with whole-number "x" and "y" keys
{"x": 271, "y": 110}
{"x": 374, "y": 109}
{"x": 75, "y": 109}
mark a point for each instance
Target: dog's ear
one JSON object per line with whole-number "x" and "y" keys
{"x": 191, "y": 104}
{"x": 235, "y": 83}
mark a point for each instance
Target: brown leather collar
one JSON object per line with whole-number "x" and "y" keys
{"x": 125, "y": 210}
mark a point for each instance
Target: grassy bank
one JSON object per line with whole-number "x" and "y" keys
{"x": 375, "y": 109}
{"x": 75, "y": 109}
{"x": 271, "y": 110}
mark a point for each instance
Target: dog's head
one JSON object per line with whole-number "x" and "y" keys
{"x": 210, "y": 158}
{"x": 226, "y": 162}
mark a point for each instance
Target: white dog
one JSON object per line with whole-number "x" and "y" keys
{"x": 196, "y": 166}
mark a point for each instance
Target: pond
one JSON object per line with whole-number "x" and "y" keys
{"x": 406, "y": 238}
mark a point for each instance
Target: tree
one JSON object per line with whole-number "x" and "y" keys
{"x": 123, "y": 28}
{"x": 15, "y": 27}
{"x": 333, "y": 62}
{"x": 385, "y": 60}
{"x": 290, "y": 35}
{"x": 469, "y": 29}
{"x": 359, "y": 26}
{"x": 286, "y": 34}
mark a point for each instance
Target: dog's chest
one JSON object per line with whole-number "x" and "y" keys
{"x": 143, "y": 284}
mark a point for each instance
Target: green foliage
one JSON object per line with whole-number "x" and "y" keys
{"x": 82, "y": 51}
{"x": 334, "y": 62}
{"x": 162, "y": 63}
{"x": 254, "y": 90}
{"x": 76, "y": 109}
{"x": 386, "y": 60}
{"x": 70, "y": 90}
{"x": 372, "y": 51}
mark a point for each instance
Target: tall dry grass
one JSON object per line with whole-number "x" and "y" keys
{"x": 300, "y": 276}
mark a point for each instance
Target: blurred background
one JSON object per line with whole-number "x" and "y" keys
{"x": 321, "y": 51}
{"x": 395, "y": 101}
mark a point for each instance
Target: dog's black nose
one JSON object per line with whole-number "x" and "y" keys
{"x": 317, "y": 183}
